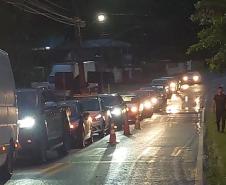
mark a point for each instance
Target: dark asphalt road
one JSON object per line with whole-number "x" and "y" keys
{"x": 164, "y": 152}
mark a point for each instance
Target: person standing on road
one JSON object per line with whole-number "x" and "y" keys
{"x": 220, "y": 108}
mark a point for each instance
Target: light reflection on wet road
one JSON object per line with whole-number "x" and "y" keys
{"x": 164, "y": 152}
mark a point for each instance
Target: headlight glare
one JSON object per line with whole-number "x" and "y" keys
{"x": 27, "y": 122}
{"x": 116, "y": 111}
{"x": 147, "y": 104}
{"x": 185, "y": 78}
{"x": 195, "y": 78}
{"x": 154, "y": 100}
{"x": 134, "y": 109}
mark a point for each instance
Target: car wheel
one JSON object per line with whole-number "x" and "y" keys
{"x": 81, "y": 140}
{"x": 63, "y": 150}
{"x": 40, "y": 154}
{"x": 91, "y": 139}
{"x": 102, "y": 132}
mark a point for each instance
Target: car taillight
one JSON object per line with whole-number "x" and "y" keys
{"x": 74, "y": 124}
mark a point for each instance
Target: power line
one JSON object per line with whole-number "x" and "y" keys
{"x": 38, "y": 5}
{"x": 34, "y": 11}
{"x": 56, "y": 5}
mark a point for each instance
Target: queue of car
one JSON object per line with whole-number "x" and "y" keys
{"x": 35, "y": 120}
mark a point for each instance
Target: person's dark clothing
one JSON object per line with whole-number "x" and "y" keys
{"x": 220, "y": 101}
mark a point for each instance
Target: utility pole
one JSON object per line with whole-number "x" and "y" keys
{"x": 78, "y": 24}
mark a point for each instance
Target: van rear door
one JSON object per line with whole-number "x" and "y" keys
{"x": 8, "y": 110}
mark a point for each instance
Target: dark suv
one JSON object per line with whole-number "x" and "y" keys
{"x": 43, "y": 124}
{"x": 117, "y": 107}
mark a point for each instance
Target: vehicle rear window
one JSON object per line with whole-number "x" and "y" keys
{"x": 111, "y": 100}
{"x": 27, "y": 99}
{"x": 90, "y": 105}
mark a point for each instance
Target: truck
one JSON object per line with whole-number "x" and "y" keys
{"x": 8, "y": 117}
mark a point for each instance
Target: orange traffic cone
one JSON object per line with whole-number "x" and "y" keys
{"x": 137, "y": 124}
{"x": 112, "y": 139}
{"x": 126, "y": 128}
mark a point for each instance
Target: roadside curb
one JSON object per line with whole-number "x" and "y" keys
{"x": 199, "y": 168}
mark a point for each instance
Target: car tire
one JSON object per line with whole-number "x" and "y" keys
{"x": 102, "y": 133}
{"x": 90, "y": 140}
{"x": 63, "y": 150}
{"x": 81, "y": 141}
{"x": 40, "y": 153}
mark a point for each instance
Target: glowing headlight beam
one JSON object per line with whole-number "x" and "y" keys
{"x": 147, "y": 105}
{"x": 154, "y": 100}
{"x": 195, "y": 78}
{"x": 27, "y": 122}
{"x": 116, "y": 111}
{"x": 134, "y": 109}
{"x": 185, "y": 78}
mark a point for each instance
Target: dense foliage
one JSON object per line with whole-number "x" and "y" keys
{"x": 211, "y": 16}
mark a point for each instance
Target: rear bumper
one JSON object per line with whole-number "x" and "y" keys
{"x": 3, "y": 158}
{"x": 28, "y": 141}
{"x": 133, "y": 117}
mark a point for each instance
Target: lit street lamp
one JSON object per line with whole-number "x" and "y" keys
{"x": 101, "y": 18}
{"x": 78, "y": 24}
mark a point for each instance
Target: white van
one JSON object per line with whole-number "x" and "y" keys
{"x": 8, "y": 117}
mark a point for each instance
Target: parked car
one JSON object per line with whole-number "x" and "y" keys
{"x": 101, "y": 117}
{"x": 80, "y": 123}
{"x": 134, "y": 107}
{"x": 43, "y": 124}
{"x": 8, "y": 117}
{"x": 192, "y": 77}
{"x": 117, "y": 107}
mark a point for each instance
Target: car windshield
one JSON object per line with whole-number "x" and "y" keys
{"x": 90, "y": 104}
{"x": 111, "y": 100}
{"x": 27, "y": 99}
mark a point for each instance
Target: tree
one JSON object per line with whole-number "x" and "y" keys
{"x": 211, "y": 16}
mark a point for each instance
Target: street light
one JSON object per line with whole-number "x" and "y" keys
{"x": 101, "y": 17}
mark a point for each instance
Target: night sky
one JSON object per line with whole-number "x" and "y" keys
{"x": 146, "y": 24}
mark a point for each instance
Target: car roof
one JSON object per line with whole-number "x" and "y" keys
{"x": 193, "y": 72}
{"x": 85, "y": 96}
{"x": 167, "y": 77}
{"x": 128, "y": 95}
{"x": 27, "y": 90}
{"x": 113, "y": 94}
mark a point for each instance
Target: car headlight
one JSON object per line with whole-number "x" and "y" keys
{"x": 173, "y": 85}
{"x": 97, "y": 117}
{"x": 195, "y": 78}
{"x": 147, "y": 105}
{"x": 134, "y": 109}
{"x": 141, "y": 107}
{"x": 116, "y": 111}
{"x": 27, "y": 122}
{"x": 154, "y": 100}
{"x": 185, "y": 78}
